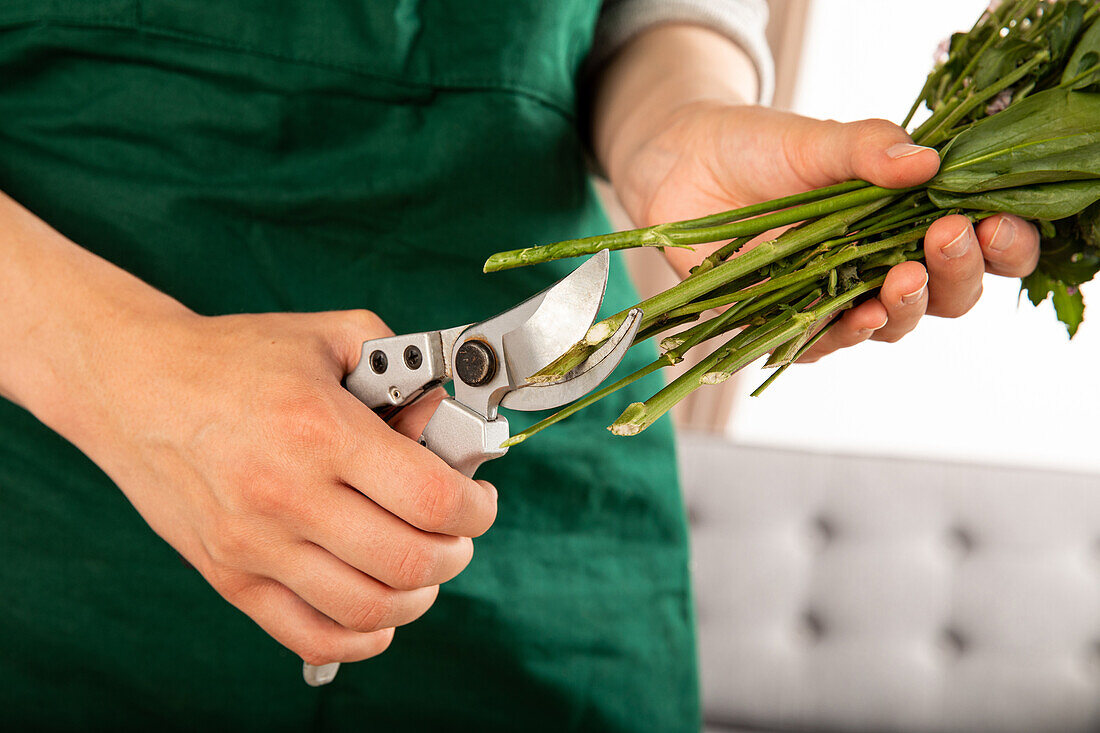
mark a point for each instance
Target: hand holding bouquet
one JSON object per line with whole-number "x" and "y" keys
{"x": 1015, "y": 118}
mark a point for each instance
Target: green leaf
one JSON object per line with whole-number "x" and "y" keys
{"x": 1049, "y": 136}
{"x": 1066, "y": 258}
{"x": 1085, "y": 56}
{"x": 1000, "y": 61}
{"x": 1066, "y": 262}
{"x": 1069, "y": 305}
{"x": 1038, "y": 286}
{"x": 1048, "y": 201}
{"x": 1061, "y": 25}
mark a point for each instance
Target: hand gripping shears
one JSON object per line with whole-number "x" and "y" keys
{"x": 489, "y": 363}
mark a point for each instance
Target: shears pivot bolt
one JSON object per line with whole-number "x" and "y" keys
{"x": 475, "y": 363}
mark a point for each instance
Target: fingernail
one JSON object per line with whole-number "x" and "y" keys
{"x": 958, "y": 246}
{"x": 865, "y": 332}
{"x": 492, "y": 490}
{"x": 904, "y": 150}
{"x": 1004, "y": 235}
{"x": 916, "y": 295}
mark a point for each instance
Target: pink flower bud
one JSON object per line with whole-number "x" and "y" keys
{"x": 1000, "y": 102}
{"x": 943, "y": 52}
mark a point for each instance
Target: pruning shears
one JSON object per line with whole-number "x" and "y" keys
{"x": 489, "y": 363}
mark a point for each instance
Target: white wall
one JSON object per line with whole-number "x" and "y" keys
{"x": 1001, "y": 385}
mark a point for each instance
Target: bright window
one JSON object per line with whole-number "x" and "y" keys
{"x": 1001, "y": 385}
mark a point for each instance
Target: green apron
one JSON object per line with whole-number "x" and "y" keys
{"x": 301, "y": 155}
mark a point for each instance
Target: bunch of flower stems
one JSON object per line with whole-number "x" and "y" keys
{"x": 778, "y": 297}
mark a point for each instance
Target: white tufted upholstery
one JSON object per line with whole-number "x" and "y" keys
{"x": 869, "y": 594}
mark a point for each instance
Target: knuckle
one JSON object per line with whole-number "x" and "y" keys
{"x": 873, "y": 128}
{"x": 228, "y": 543}
{"x": 257, "y": 489}
{"x": 371, "y": 614}
{"x": 306, "y": 423}
{"x": 417, "y": 566}
{"x": 440, "y": 500}
{"x": 367, "y": 320}
{"x": 232, "y": 584}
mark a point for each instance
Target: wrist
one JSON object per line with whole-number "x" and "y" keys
{"x": 655, "y": 78}
{"x": 82, "y": 375}
{"x": 70, "y": 322}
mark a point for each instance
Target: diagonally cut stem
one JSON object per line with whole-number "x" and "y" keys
{"x": 724, "y": 361}
{"x": 791, "y": 241}
{"x": 665, "y": 235}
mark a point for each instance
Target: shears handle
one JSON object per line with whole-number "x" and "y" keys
{"x": 455, "y": 433}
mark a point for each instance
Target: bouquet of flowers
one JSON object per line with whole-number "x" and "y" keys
{"x": 1015, "y": 116}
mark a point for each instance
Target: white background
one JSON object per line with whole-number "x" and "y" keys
{"x": 1001, "y": 385}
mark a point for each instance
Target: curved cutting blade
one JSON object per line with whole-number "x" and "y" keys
{"x": 581, "y": 380}
{"x": 534, "y": 333}
{"x": 562, "y": 316}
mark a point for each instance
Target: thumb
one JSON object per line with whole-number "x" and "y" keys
{"x": 876, "y": 151}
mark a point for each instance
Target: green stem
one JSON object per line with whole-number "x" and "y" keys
{"x": 810, "y": 272}
{"x": 717, "y": 257}
{"x": 791, "y": 241}
{"x": 939, "y": 134}
{"x": 817, "y": 194}
{"x": 798, "y": 355}
{"x": 640, "y": 415}
{"x": 735, "y": 361}
{"x": 726, "y": 360}
{"x": 761, "y": 224}
{"x": 935, "y": 119}
{"x": 749, "y": 306}
{"x": 666, "y": 235}
{"x": 664, "y": 325}
{"x": 742, "y": 315}
{"x": 973, "y": 63}
{"x": 683, "y": 385}
{"x": 589, "y": 399}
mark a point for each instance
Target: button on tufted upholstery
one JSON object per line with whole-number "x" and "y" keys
{"x": 871, "y": 594}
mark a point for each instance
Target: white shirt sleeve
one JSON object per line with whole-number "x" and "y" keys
{"x": 742, "y": 21}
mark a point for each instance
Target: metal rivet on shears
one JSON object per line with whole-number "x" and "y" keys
{"x": 475, "y": 363}
{"x": 413, "y": 359}
{"x": 378, "y": 362}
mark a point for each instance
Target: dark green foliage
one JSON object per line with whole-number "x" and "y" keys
{"x": 1068, "y": 259}
{"x": 1083, "y": 67}
{"x": 1051, "y": 136}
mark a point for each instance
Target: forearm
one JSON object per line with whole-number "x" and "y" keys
{"x": 657, "y": 74}
{"x": 64, "y": 314}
